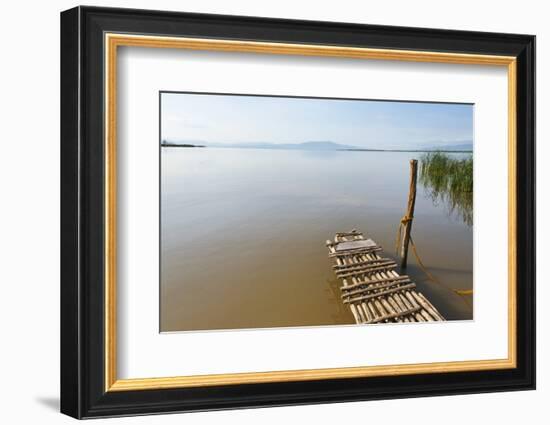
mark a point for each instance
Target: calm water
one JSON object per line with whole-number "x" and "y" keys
{"x": 243, "y": 235}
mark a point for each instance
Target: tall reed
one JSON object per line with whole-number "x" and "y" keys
{"x": 450, "y": 180}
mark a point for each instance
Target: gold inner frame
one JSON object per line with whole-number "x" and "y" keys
{"x": 113, "y": 41}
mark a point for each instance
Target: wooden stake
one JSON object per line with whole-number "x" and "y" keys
{"x": 410, "y": 214}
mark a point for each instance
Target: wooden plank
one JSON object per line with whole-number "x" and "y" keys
{"x": 377, "y": 287}
{"x": 396, "y": 299}
{"x": 391, "y": 316}
{"x": 373, "y": 310}
{"x": 375, "y": 264}
{"x": 349, "y": 252}
{"x": 380, "y": 308}
{"x": 419, "y": 317}
{"x": 362, "y": 317}
{"x": 363, "y": 264}
{"x": 427, "y": 305}
{"x": 367, "y": 270}
{"x": 379, "y": 294}
{"x": 346, "y": 245}
{"x": 352, "y": 233}
{"x": 404, "y": 300}
{"x": 374, "y": 281}
{"x": 426, "y": 316}
{"x": 411, "y": 299}
{"x": 360, "y": 263}
{"x": 390, "y": 309}
{"x": 394, "y": 304}
{"x": 366, "y": 312}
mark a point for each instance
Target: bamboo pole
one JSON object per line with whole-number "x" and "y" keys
{"x": 367, "y": 283}
{"x": 373, "y": 288}
{"x": 365, "y": 270}
{"x": 360, "y": 263}
{"x": 410, "y": 213}
{"x": 379, "y": 294}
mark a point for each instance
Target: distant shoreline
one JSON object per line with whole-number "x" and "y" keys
{"x": 185, "y": 145}
{"x": 406, "y": 150}
{"x": 182, "y": 145}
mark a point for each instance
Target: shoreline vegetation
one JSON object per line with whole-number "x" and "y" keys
{"x": 450, "y": 180}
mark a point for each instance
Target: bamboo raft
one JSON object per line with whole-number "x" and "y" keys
{"x": 373, "y": 290}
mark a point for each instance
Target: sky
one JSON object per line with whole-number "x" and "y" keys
{"x": 370, "y": 124}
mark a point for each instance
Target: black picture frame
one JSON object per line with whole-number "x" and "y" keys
{"x": 83, "y": 392}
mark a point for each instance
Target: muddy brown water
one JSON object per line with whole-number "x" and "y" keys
{"x": 243, "y": 235}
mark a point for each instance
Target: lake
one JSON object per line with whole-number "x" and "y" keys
{"x": 243, "y": 235}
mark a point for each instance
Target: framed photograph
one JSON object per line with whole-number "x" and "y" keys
{"x": 261, "y": 212}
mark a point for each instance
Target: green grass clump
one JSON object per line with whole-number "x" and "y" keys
{"x": 450, "y": 180}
